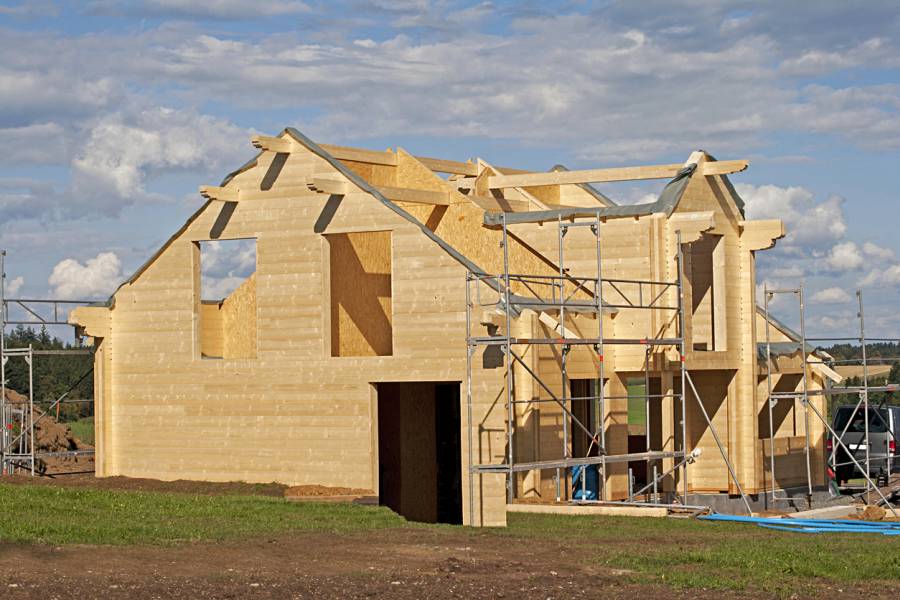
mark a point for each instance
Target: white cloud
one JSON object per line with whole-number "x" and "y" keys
{"x": 14, "y": 285}
{"x": 809, "y": 223}
{"x": 38, "y": 143}
{"x": 835, "y": 323}
{"x": 96, "y": 278}
{"x": 819, "y": 61}
{"x": 224, "y": 265}
{"x": 845, "y": 256}
{"x": 210, "y": 9}
{"x": 122, "y": 152}
{"x": 832, "y": 295}
{"x": 882, "y": 277}
{"x": 876, "y": 251}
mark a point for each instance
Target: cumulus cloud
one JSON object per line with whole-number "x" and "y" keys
{"x": 832, "y": 295}
{"x": 96, "y": 278}
{"x": 845, "y": 256}
{"x": 224, "y": 265}
{"x": 809, "y": 223}
{"x": 882, "y": 277}
{"x": 14, "y": 285}
{"x": 876, "y": 251}
{"x": 123, "y": 151}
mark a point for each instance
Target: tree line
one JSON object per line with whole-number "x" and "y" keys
{"x": 53, "y": 375}
{"x": 878, "y": 353}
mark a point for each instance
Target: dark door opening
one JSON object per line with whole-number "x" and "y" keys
{"x": 419, "y": 463}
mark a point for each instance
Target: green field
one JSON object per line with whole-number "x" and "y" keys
{"x": 58, "y": 515}
{"x": 83, "y": 429}
{"x": 637, "y": 409}
{"x": 680, "y": 553}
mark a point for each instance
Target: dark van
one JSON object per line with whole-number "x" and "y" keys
{"x": 884, "y": 429}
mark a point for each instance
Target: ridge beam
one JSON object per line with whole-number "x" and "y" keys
{"x": 722, "y": 167}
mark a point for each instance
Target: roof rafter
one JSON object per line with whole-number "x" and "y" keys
{"x": 708, "y": 168}
{"x": 375, "y": 157}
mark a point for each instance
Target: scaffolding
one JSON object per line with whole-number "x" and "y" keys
{"x": 508, "y": 294}
{"x": 18, "y": 450}
{"x": 802, "y": 396}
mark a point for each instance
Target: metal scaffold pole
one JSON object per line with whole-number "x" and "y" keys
{"x": 681, "y": 356}
{"x": 510, "y": 372}
{"x": 865, "y": 390}
{"x": 805, "y": 398}
{"x": 469, "y": 350}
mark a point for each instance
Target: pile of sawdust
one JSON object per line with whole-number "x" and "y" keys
{"x": 874, "y": 513}
{"x": 49, "y": 435}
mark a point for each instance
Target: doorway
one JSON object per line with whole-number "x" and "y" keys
{"x": 419, "y": 461}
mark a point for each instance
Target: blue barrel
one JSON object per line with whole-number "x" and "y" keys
{"x": 591, "y": 483}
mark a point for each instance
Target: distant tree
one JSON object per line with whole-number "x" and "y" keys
{"x": 52, "y": 375}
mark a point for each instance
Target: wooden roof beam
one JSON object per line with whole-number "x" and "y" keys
{"x": 375, "y": 157}
{"x": 722, "y": 167}
{"x": 397, "y": 194}
{"x": 329, "y": 183}
{"x": 213, "y": 192}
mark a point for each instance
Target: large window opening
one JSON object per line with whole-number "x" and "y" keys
{"x": 705, "y": 274}
{"x": 360, "y": 285}
{"x": 225, "y": 273}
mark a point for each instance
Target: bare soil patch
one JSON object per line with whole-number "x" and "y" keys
{"x": 394, "y": 563}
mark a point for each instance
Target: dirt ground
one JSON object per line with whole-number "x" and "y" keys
{"x": 402, "y": 564}
{"x": 394, "y": 563}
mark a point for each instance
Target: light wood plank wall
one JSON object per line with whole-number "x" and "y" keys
{"x": 296, "y": 414}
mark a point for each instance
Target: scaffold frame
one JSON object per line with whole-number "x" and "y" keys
{"x": 509, "y": 303}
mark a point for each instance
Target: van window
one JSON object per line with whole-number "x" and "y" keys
{"x": 878, "y": 419}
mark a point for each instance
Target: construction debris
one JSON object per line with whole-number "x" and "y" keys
{"x": 53, "y": 441}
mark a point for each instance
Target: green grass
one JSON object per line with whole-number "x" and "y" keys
{"x": 83, "y": 429}
{"x": 679, "y": 553}
{"x": 637, "y": 409}
{"x": 687, "y": 553}
{"x": 55, "y": 515}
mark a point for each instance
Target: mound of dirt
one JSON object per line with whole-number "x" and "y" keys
{"x": 50, "y": 435}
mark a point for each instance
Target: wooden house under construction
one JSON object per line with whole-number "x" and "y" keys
{"x": 456, "y": 343}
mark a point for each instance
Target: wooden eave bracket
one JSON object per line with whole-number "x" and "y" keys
{"x": 272, "y": 144}
{"x": 226, "y": 194}
{"x": 92, "y": 320}
{"x": 692, "y": 225}
{"x": 762, "y": 234}
{"x": 332, "y": 184}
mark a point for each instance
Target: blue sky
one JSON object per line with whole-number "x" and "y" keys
{"x": 114, "y": 112}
